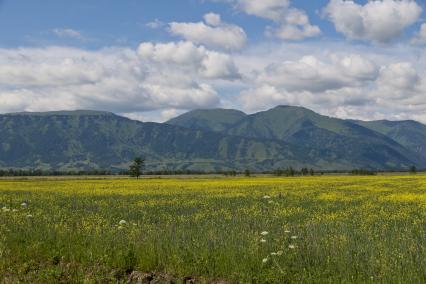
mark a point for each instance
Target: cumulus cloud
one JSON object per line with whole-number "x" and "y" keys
{"x": 212, "y": 33}
{"x": 379, "y": 21}
{"x": 345, "y": 81}
{"x": 400, "y": 81}
{"x": 158, "y": 80}
{"x": 312, "y": 82}
{"x": 40, "y": 79}
{"x": 290, "y": 23}
{"x": 314, "y": 75}
{"x": 209, "y": 64}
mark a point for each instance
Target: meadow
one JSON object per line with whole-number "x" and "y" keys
{"x": 340, "y": 229}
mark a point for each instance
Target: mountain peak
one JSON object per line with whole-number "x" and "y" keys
{"x": 217, "y": 110}
{"x": 292, "y": 108}
{"x": 208, "y": 119}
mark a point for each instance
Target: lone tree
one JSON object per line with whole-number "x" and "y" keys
{"x": 290, "y": 172}
{"x": 413, "y": 170}
{"x": 136, "y": 167}
{"x": 304, "y": 171}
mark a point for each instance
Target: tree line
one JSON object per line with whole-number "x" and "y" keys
{"x": 136, "y": 169}
{"x": 39, "y": 172}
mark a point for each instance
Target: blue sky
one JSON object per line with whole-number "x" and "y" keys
{"x": 151, "y": 60}
{"x": 111, "y": 22}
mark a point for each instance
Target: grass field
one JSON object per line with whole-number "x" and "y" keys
{"x": 241, "y": 230}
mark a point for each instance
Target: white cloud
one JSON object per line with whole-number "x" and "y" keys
{"x": 294, "y": 25}
{"x": 420, "y": 37}
{"x": 378, "y": 21}
{"x": 290, "y": 23}
{"x": 400, "y": 81}
{"x": 311, "y": 74}
{"x": 269, "y": 9}
{"x": 55, "y": 78}
{"x": 155, "y": 116}
{"x": 209, "y": 64}
{"x": 213, "y": 19}
{"x": 343, "y": 80}
{"x": 183, "y": 53}
{"x": 159, "y": 80}
{"x": 212, "y": 33}
{"x": 67, "y": 33}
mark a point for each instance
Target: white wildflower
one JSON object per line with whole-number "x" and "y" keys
{"x": 266, "y": 197}
{"x": 15, "y": 210}
{"x": 274, "y": 253}
{"x": 264, "y": 233}
{"x": 122, "y": 222}
{"x": 263, "y": 241}
{"x": 291, "y": 246}
{"x": 24, "y": 204}
{"x": 287, "y": 232}
{"x": 280, "y": 252}
{"x": 265, "y": 260}
{"x": 29, "y": 216}
{"x": 294, "y": 237}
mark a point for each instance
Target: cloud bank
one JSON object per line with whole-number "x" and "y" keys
{"x": 214, "y": 64}
{"x": 121, "y": 80}
{"x": 377, "y": 21}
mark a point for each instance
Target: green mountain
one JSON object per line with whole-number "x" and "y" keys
{"x": 87, "y": 140}
{"x": 208, "y": 140}
{"x": 410, "y": 134}
{"x": 336, "y": 139}
{"x": 209, "y": 120}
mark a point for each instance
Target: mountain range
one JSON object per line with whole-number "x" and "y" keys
{"x": 209, "y": 140}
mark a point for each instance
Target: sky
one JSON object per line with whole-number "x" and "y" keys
{"x": 152, "y": 60}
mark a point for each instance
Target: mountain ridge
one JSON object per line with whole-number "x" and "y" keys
{"x": 208, "y": 140}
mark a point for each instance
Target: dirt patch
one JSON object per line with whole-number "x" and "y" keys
{"x": 137, "y": 277}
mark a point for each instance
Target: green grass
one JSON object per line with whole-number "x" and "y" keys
{"x": 341, "y": 229}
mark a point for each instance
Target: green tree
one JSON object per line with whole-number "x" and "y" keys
{"x": 290, "y": 172}
{"x": 136, "y": 167}
{"x": 413, "y": 170}
{"x": 247, "y": 173}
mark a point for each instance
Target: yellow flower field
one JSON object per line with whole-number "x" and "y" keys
{"x": 237, "y": 230}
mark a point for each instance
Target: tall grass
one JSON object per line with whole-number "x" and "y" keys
{"x": 242, "y": 230}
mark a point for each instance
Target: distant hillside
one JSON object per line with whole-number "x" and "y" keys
{"x": 208, "y": 140}
{"x": 86, "y": 140}
{"x": 337, "y": 139}
{"x": 410, "y": 134}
